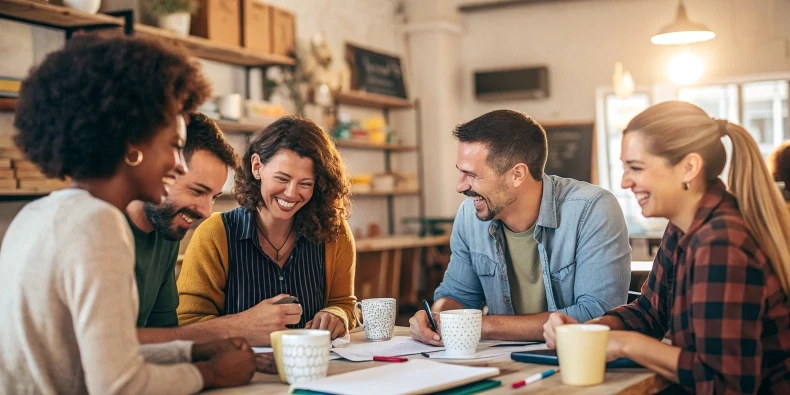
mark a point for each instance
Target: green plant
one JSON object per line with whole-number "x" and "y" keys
{"x": 166, "y": 7}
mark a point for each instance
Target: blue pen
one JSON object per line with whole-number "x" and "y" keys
{"x": 534, "y": 378}
{"x": 427, "y": 309}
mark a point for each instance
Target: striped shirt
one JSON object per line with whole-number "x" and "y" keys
{"x": 253, "y": 276}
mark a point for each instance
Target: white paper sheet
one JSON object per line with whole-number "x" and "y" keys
{"x": 490, "y": 352}
{"x": 418, "y": 376}
{"x": 397, "y": 346}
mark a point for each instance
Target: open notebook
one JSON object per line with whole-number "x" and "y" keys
{"x": 412, "y": 377}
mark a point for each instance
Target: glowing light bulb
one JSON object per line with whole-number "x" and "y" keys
{"x": 685, "y": 69}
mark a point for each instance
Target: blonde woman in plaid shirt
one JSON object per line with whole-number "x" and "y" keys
{"x": 719, "y": 284}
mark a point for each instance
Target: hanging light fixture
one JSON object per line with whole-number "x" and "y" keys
{"x": 682, "y": 31}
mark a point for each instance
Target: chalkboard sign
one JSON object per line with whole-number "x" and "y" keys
{"x": 375, "y": 72}
{"x": 571, "y": 150}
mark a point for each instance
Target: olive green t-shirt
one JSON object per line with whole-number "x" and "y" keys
{"x": 524, "y": 272}
{"x": 155, "y": 272}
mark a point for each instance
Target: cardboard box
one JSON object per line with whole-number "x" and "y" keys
{"x": 24, "y": 164}
{"x": 29, "y": 174}
{"x": 5, "y": 163}
{"x": 6, "y": 173}
{"x": 8, "y": 184}
{"x": 256, "y": 26}
{"x": 283, "y": 32}
{"x": 218, "y": 20}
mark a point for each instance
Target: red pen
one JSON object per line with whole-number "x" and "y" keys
{"x": 390, "y": 359}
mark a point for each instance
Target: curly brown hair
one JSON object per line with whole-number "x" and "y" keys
{"x": 81, "y": 107}
{"x": 322, "y": 218}
{"x": 779, "y": 163}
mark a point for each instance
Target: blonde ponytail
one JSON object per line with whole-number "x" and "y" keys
{"x": 761, "y": 204}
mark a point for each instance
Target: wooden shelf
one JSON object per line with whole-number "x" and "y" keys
{"x": 372, "y": 100}
{"x": 207, "y": 49}
{"x": 399, "y": 242}
{"x": 8, "y": 104}
{"x": 397, "y": 192}
{"x": 238, "y": 127}
{"x": 16, "y": 195}
{"x": 371, "y": 146}
{"x": 44, "y": 14}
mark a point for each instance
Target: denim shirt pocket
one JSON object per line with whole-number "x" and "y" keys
{"x": 483, "y": 265}
{"x": 563, "y": 272}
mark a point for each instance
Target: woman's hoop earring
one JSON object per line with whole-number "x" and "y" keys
{"x": 136, "y": 161}
{"x": 686, "y": 186}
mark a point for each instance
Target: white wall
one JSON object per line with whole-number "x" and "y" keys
{"x": 580, "y": 41}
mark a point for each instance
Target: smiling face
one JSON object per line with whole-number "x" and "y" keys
{"x": 192, "y": 196}
{"x": 657, "y": 185}
{"x": 480, "y": 182}
{"x": 162, "y": 162}
{"x": 287, "y": 182}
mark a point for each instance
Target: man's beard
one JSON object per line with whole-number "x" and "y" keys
{"x": 493, "y": 208}
{"x": 162, "y": 216}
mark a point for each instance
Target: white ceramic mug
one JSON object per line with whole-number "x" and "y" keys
{"x": 230, "y": 106}
{"x": 378, "y": 316}
{"x": 581, "y": 350}
{"x": 461, "y": 331}
{"x": 301, "y": 355}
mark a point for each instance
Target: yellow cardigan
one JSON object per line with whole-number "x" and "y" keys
{"x": 201, "y": 284}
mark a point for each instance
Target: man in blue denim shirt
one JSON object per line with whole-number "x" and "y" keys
{"x": 539, "y": 243}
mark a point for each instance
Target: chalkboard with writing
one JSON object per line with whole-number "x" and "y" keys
{"x": 375, "y": 72}
{"x": 571, "y": 150}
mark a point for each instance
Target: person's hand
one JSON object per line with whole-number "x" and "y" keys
{"x": 228, "y": 369}
{"x": 420, "y": 329}
{"x": 328, "y": 321}
{"x": 204, "y": 351}
{"x": 257, "y": 323}
{"x": 555, "y": 320}
{"x": 264, "y": 363}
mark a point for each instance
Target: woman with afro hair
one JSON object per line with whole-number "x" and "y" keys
{"x": 105, "y": 112}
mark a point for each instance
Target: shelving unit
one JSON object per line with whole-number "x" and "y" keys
{"x": 385, "y": 104}
{"x": 43, "y": 14}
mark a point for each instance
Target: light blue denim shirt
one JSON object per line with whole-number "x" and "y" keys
{"x": 582, "y": 244}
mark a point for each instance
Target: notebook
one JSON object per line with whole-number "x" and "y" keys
{"x": 413, "y": 377}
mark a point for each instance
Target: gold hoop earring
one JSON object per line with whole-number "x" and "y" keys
{"x": 136, "y": 161}
{"x": 686, "y": 186}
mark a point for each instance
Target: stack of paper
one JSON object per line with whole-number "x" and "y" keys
{"x": 397, "y": 346}
{"x": 414, "y": 377}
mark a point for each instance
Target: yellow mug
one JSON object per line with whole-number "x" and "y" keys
{"x": 581, "y": 350}
{"x": 301, "y": 355}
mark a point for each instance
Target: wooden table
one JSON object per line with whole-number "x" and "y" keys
{"x": 618, "y": 381}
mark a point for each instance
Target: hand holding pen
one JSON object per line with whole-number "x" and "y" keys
{"x": 424, "y": 325}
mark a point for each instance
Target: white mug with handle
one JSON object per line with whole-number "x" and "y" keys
{"x": 378, "y": 316}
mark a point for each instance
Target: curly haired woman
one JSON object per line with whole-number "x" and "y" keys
{"x": 106, "y": 112}
{"x": 289, "y": 237}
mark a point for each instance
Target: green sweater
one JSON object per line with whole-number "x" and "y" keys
{"x": 154, "y": 269}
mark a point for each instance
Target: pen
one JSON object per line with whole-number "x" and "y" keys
{"x": 425, "y": 354}
{"x": 427, "y": 309}
{"x": 389, "y": 359}
{"x": 534, "y": 378}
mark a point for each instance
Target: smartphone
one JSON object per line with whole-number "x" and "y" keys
{"x": 287, "y": 299}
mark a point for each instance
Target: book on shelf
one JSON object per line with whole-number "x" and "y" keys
{"x": 28, "y": 174}
{"x": 24, "y": 164}
{"x": 9, "y": 86}
{"x": 9, "y": 183}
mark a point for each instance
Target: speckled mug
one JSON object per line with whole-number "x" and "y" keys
{"x": 378, "y": 318}
{"x": 461, "y": 331}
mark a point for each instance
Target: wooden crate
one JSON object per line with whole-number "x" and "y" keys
{"x": 219, "y": 21}
{"x": 283, "y": 32}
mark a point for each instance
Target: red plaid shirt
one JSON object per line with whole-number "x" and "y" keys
{"x": 714, "y": 291}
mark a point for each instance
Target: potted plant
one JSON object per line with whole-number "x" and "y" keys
{"x": 173, "y": 15}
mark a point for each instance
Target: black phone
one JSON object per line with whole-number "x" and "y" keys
{"x": 549, "y": 357}
{"x": 287, "y": 299}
